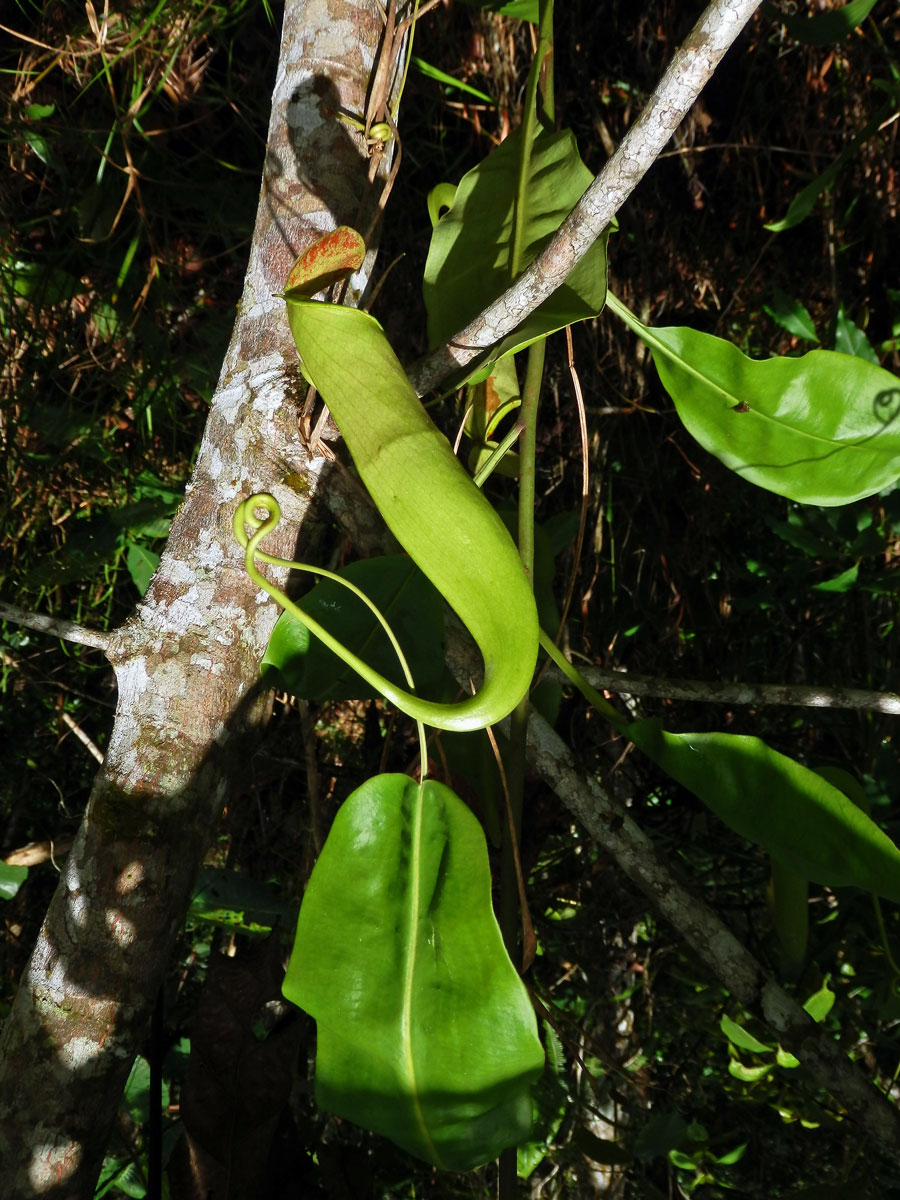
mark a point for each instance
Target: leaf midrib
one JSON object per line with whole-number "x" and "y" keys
{"x": 412, "y": 940}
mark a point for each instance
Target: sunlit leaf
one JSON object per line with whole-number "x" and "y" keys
{"x": 821, "y": 429}
{"x": 749, "y": 1074}
{"x": 442, "y": 520}
{"x": 425, "y": 1031}
{"x": 739, "y": 1036}
{"x": 820, "y": 1003}
{"x": 307, "y": 668}
{"x": 11, "y": 879}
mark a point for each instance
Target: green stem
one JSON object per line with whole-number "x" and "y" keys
{"x": 895, "y": 970}
{"x": 528, "y": 415}
{"x": 593, "y": 697}
{"x": 481, "y": 477}
{"x": 529, "y": 120}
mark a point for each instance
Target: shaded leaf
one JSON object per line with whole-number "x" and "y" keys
{"x": 601, "y": 1150}
{"x": 238, "y": 1079}
{"x": 141, "y": 564}
{"x": 850, "y": 339}
{"x": 413, "y": 608}
{"x": 425, "y": 1032}
{"x": 830, "y": 26}
{"x": 792, "y": 316}
{"x": 662, "y": 1133}
{"x": 802, "y": 204}
{"x": 469, "y": 257}
{"x": 225, "y": 897}
{"x": 770, "y": 799}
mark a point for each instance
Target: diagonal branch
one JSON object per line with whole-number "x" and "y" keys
{"x": 685, "y": 77}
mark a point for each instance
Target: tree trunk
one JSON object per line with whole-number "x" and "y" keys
{"x": 187, "y": 660}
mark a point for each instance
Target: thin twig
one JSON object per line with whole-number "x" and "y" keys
{"x": 92, "y": 748}
{"x": 684, "y": 79}
{"x": 54, "y": 626}
{"x": 743, "y": 693}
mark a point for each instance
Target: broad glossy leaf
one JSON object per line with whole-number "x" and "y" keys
{"x": 425, "y": 1031}
{"x": 778, "y": 803}
{"x": 307, "y": 668}
{"x": 469, "y": 258}
{"x": 821, "y": 429}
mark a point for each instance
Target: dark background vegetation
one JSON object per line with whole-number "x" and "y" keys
{"x": 134, "y": 142}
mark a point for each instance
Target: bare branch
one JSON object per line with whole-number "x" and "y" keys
{"x": 686, "y": 76}
{"x": 95, "y": 638}
{"x": 741, "y": 693}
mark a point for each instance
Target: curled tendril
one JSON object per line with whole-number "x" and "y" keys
{"x": 245, "y": 516}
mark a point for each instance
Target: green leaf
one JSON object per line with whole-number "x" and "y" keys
{"x": 732, "y": 1156}
{"x": 522, "y": 10}
{"x": 821, "y": 429}
{"x": 37, "y": 112}
{"x": 820, "y": 1003}
{"x": 11, "y": 879}
{"x": 827, "y": 27}
{"x": 792, "y": 316}
{"x": 850, "y": 339}
{"x": 601, "y": 1150}
{"x": 232, "y": 901}
{"x": 840, "y": 583}
{"x": 307, "y": 668}
{"x": 141, "y": 564}
{"x": 446, "y": 525}
{"x": 425, "y": 1031}
{"x": 749, "y": 1074}
{"x": 785, "y": 1059}
{"x": 768, "y": 798}
{"x": 788, "y": 902}
{"x": 439, "y": 76}
{"x": 739, "y": 1036}
{"x": 802, "y": 204}
{"x": 469, "y": 258}
{"x": 662, "y": 1133}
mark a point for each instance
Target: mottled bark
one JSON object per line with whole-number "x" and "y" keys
{"x": 186, "y": 661}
